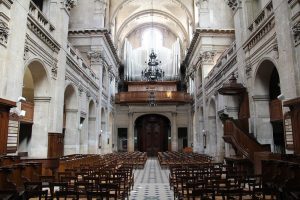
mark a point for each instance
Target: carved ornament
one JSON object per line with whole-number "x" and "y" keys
{"x": 296, "y": 32}
{"x": 3, "y": 33}
{"x": 233, "y": 4}
{"x": 69, "y": 4}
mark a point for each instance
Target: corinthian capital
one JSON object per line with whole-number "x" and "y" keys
{"x": 207, "y": 56}
{"x": 296, "y": 32}
{"x": 233, "y": 4}
{"x": 95, "y": 56}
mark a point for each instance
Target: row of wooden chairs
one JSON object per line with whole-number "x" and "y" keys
{"x": 282, "y": 176}
{"x": 77, "y": 176}
{"x": 137, "y": 159}
{"x": 169, "y": 158}
{"x": 62, "y": 190}
{"x": 213, "y": 180}
{"x": 108, "y": 170}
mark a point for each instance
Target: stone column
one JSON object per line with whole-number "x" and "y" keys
{"x": 200, "y": 134}
{"x": 71, "y": 140}
{"x": 174, "y": 134}
{"x": 130, "y": 135}
{"x": 58, "y": 15}
{"x": 190, "y": 134}
{"x": 97, "y": 65}
{"x": 195, "y": 130}
{"x": 92, "y": 136}
{"x": 13, "y": 29}
{"x": 220, "y": 150}
{"x": 288, "y": 46}
{"x": 262, "y": 127}
{"x": 107, "y": 130}
{"x": 211, "y": 137}
{"x": 38, "y": 144}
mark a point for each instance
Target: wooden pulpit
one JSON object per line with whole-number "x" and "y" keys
{"x": 5, "y": 106}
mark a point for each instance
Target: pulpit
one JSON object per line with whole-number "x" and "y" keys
{"x": 5, "y": 106}
{"x": 294, "y": 105}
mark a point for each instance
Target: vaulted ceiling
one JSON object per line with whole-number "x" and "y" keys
{"x": 177, "y": 16}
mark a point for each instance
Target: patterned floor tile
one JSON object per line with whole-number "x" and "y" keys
{"x": 151, "y": 183}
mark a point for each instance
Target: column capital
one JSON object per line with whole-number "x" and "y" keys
{"x": 206, "y": 57}
{"x": 96, "y": 56}
{"x": 233, "y": 4}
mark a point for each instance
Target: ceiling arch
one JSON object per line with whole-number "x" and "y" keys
{"x": 148, "y": 14}
{"x": 127, "y": 15}
{"x": 178, "y": 2}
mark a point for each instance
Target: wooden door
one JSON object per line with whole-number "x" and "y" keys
{"x": 152, "y": 134}
{"x": 153, "y": 138}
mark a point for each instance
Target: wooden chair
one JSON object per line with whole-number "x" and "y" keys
{"x": 60, "y": 190}
{"x": 9, "y": 194}
{"x": 104, "y": 191}
{"x": 227, "y": 189}
{"x": 82, "y": 188}
{"x": 33, "y": 190}
{"x": 99, "y": 195}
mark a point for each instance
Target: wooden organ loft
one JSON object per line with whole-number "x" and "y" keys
{"x": 161, "y": 92}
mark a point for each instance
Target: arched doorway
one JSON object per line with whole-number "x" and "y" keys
{"x": 152, "y": 133}
{"x": 33, "y": 137}
{"x": 268, "y": 106}
{"x": 70, "y": 116}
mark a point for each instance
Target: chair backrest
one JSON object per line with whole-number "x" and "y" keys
{"x": 54, "y": 186}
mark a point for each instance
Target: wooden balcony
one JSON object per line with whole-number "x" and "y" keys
{"x": 160, "y": 97}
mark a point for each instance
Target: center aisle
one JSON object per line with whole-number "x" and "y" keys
{"x": 151, "y": 183}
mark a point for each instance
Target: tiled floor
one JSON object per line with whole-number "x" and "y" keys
{"x": 151, "y": 183}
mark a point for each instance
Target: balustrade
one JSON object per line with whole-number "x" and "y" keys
{"x": 160, "y": 97}
{"x": 266, "y": 12}
{"x": 39, "y": 17}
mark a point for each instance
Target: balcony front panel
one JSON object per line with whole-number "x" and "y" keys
{"x": 160, "y": 97}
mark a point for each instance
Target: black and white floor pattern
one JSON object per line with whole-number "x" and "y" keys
{"x": 151, "y": 183}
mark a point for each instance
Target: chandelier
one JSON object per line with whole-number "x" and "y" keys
{"x": 153, "y": 72}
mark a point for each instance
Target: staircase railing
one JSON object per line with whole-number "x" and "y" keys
{"x": 242, "y": 141}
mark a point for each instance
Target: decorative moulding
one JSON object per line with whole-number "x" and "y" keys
{"x": 7, "y": 3}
